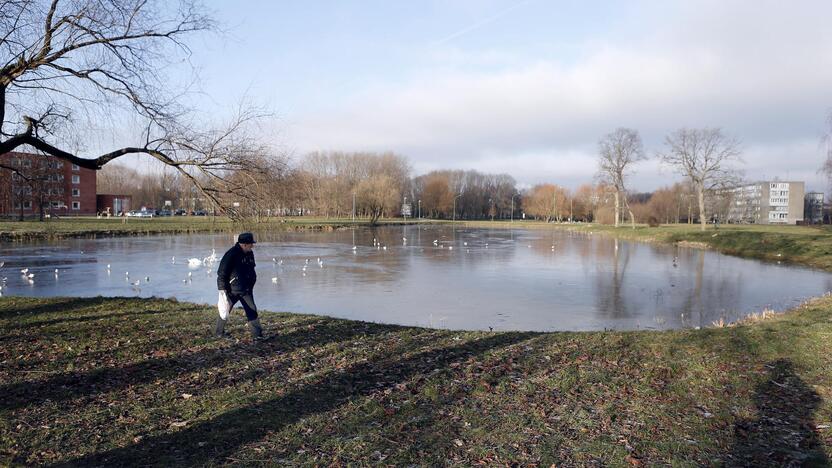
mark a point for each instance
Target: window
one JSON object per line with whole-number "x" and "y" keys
{"x": 76, "y": 179}
{"x": 27, "y": 163}
{"x": 26, "y": 205}
{"x": 76, "y": 205}
{"x": 75, "y": 167}
{"x": 76, "y": 192}
{"x": 56, "y": 204}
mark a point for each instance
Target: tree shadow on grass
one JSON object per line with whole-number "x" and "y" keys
{"x": 64, "y": 305}
{"x": 215, "y": 440}
{"x": 70, "y": 385}
{"x": 783, "y": 434}
{"x": 87, "y": 318}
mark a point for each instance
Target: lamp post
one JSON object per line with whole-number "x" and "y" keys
{"x": 353, "y": 207}
{"x": 404, "y": 213}
{"x": 512, "y": 206}
{"x": 420, "y": 209}
{"x": 454, "y": 218}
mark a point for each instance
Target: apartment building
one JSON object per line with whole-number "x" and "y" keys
{"x": 45, "y": 184}
{"x": 772, "y": 202}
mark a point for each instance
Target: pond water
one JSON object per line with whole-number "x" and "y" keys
{"x": 434, "y": 276}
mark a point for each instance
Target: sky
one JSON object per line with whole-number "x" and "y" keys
{"x": 528, "y": 87}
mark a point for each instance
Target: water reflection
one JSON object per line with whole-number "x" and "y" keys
{"x": 508, "y": 279}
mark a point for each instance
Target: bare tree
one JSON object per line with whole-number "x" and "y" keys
{"x": 704, "y": 157}
{"x": 378, "y": 195}
{"x": 617, "y": 151}
{"x": 69, "y": 64}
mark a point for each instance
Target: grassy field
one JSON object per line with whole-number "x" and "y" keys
{"x": 104, "y": 227}
{"x": 139, "y": 381}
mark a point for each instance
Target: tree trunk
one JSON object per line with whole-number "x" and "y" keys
{"x": 700, "y": 192}
{"x": 617, "y": 208}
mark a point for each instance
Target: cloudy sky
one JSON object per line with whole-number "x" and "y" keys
{"x": 528, "y": 87}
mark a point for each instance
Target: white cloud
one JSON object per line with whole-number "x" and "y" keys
{"x": 760, "y": 72}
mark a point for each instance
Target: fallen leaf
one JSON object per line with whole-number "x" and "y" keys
{"x": 633, "y": 460}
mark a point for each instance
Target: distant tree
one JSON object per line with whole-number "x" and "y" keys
{"x": 584, "y": 203}
{"x": 378, "y": 195}
{"x": 663, "y": 205}
{"x": 547, "y": 201}
{"x": 617, "y": 152}
{"x": 437, "y": 197}
{"x": 73, "y": 64}
{"x": 704, "y": 157}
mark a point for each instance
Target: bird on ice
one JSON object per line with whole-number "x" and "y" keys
{"x": 274, "y": 279}
{"x": 194, "y": 262}
{"x": 24, "y": 271}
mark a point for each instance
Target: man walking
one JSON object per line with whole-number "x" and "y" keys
{"x": 235, "y": 281}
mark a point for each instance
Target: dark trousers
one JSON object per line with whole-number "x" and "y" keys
{"x": 247, "y": 300}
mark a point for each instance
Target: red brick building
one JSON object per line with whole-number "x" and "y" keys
{"x": 49, "y": 185}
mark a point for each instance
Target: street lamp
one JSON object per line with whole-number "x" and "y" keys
{"x": 454, "y": 218}
{"x": 403, "y": 209}
{"x": 512, "y": 206}
{"x": 420, "y": 209}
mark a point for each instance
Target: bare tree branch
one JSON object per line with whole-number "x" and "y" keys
{"x": 60, "y": 56}
{"x": 704, "y": 156}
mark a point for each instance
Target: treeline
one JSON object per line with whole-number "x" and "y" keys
{"x": 371, "y": 186}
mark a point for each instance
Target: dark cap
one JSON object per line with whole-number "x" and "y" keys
{"x": 246, "y": 238}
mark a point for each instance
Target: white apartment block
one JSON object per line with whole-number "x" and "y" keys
{"x": 772, "y": 202}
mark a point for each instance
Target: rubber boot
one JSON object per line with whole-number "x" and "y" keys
{"x": 220, "y": 331}
{"x": 256, "y": 329}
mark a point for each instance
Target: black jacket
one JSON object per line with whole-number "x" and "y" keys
{"x": 236, "y": 271}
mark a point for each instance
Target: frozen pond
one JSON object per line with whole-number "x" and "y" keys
{"x": 439, "y": 277}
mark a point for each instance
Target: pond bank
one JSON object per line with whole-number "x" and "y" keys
{"x": 64, "y": 228}
{"x": 123, "y": 381}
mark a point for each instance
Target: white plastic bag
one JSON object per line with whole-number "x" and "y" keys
{"x": 223, "y": 305}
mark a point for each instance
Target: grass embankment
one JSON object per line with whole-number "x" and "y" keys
{"x": 804, "y": 245}
{"x": 106, "y": 227}
{"x": 138, "y": 381}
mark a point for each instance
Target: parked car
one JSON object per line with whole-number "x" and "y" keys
{"x": 200, "y": 213}
{"x": 144, "y": 214}
{"x": 165, "y": 213}
{"x": 180, "y": 212}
